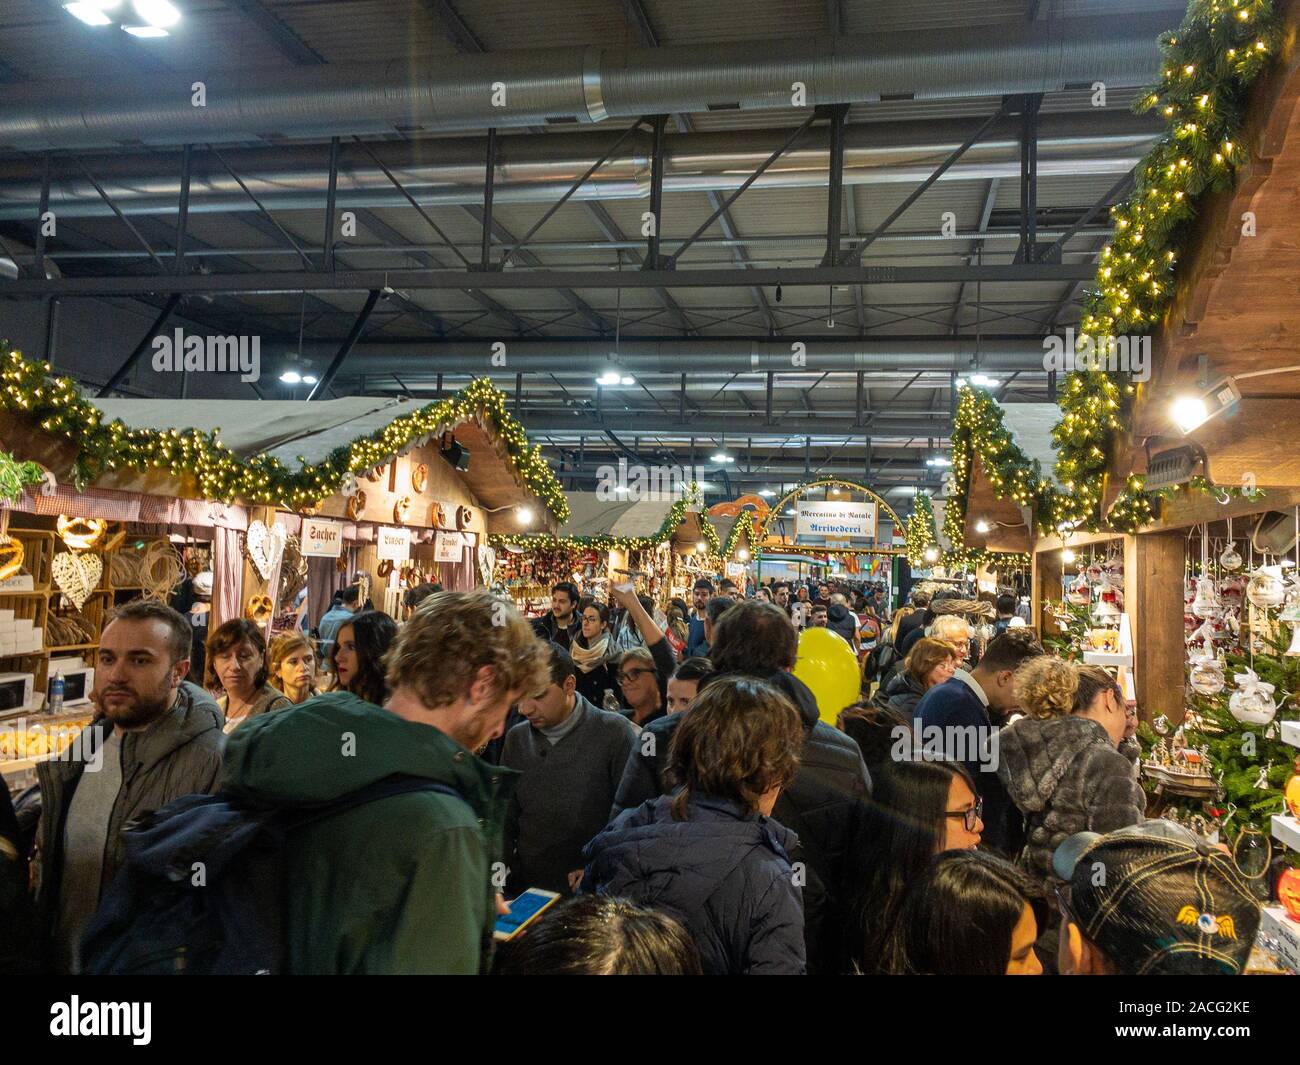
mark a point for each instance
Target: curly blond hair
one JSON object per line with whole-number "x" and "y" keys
{"x": 1046, "y": 686}
{"x": 950, "y": 627}
{"x": 452, "y": 635}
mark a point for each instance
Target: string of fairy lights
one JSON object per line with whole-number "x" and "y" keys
{"x": 28, "y": 388}
{"x": 672, "y": 520}
{"x": 1209, "y": 64}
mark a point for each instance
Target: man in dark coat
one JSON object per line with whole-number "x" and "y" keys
{"x": 562, "y": 624}
{"x": 956, "y": 720}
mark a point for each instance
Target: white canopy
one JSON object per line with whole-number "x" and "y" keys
{"x": 282, "y": 428}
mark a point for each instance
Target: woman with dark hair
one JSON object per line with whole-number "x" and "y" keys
{"x": 592, "y": 651}
{"x": 970, "y": 914}
{"x": 918, "y": 809}
{"x": 592, "y": 935}
{"x": 710, "y": 854}
{"x": 358, "y": 657}
{"x": 236, "y": 663}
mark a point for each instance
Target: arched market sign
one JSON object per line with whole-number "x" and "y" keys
{"x": 829, "y": 515}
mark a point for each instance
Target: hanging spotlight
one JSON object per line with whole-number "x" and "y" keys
{"x": 982, "y": 526}
{"x": 524, "y": 515}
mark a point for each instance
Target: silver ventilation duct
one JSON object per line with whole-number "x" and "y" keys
{"x": 574, "y": 85}
{"x": 583, "y": 358}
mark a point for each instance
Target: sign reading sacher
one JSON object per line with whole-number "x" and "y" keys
{"x": 835, "y": 520}
{"x": 321, "y": 539}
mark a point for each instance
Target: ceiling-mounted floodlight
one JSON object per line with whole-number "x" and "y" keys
{"x": 1192, "y": 410}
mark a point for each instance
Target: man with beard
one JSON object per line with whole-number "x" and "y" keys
{"x": 155, "y": 738}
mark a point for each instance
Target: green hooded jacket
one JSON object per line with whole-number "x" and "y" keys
{"x": 398, "y": 885}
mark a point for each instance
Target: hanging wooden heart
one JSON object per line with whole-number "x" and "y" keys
{"x": 487, "y": 561}
{"x": 265, "y": 546}
{"x": 77, "y": 575}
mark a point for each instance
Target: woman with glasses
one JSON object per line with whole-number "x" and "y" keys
{"x": 971, "y": 914}
{"x": 1062, "y": 766}
{"x": 642, "y": 672}
{"x": 918, "y": 809}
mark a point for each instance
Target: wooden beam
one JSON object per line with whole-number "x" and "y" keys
{"x": 1153, "y": 601}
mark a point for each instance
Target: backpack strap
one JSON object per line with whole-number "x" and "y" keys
{"x": 397, "y": 784}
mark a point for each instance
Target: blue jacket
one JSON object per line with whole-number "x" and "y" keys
{"x": 724, "y": 873}
{"x": 696, "y": 644}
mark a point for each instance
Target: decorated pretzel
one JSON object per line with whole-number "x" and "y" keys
{"x": 419, "y": 477}
{"x": 80, "y": 534}
{"x": 356, "y": 504}
{"x": 341, "y": 564}
{"x": 463, "y": 517}
{"x": 402, "y": 510}
{"x": 385, "y": 567}
{"x": 374, "y": 475}
{"x": 11, "y": 556}
{"x": 260, "y": 609}
{"x": 439, "y": 515}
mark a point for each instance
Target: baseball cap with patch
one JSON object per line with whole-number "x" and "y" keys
{"x": 1155, "y": 899}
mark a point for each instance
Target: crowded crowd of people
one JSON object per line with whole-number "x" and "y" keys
{"x": 658, "y": 767}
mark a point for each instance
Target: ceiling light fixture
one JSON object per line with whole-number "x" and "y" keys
{"x": 90, "y": 14}
{"x": 157, "y": 12}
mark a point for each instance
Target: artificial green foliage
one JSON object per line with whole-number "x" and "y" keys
{"x": 15, "y": 476}
{"x": 1070, "y": 643}
{"x": 920, "y": 532}
{"x": 1209, "y": 64}
{"x": 28, "y": 389}
{"x": 1238, "y": 759}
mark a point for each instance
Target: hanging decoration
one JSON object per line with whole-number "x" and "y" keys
{"x": 77, "y": 575}
{"x": 265, "y": 545}
{"x": 920, "y": 532}
{"x": 80, "y": 534}
{"x": 1252, "y": 703}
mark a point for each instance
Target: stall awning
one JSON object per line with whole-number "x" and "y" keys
{"x": 283, "y": 429}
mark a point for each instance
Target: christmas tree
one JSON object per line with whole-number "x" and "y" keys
{"x": 1250, "y": 762}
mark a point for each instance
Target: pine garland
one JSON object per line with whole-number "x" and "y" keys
{"x": 1209, "y": 64}
{"x": 15, "y": 476}
{"x": 920, "y": 533}
{"x": 27, "y": 388}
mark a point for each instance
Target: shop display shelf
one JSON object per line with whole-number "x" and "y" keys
{"x": 1287, "y": 830}
{"x": 1291, "y": 733}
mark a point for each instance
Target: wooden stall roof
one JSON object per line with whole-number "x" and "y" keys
{"x": 296, "y": 431}
{"x": 1010, "y": 524}
{"x": 1238, "y": 304}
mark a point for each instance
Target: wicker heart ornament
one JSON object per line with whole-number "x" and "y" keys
{"x": 77, "y": 575}
{"x": 265, "y": 546}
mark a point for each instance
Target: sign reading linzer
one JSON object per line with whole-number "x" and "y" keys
{"x": 321, "y": 539}
{"x": 835, "y": 520}
{"x": 392, "y": 543}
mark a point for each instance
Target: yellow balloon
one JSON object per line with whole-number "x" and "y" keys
{"x": 829, "y": 667}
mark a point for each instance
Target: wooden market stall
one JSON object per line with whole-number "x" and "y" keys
{"x": 250, "y": 502}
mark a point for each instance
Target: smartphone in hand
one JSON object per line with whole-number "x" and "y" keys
{"x": 524, "y": 910}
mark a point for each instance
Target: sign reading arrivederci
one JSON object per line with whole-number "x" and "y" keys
{"x": 835, "y": 520}
{"x": 321, "y": 539}
{"x": 392, "y": 543}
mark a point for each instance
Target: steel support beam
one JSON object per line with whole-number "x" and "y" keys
{"x": 653, "y": 260}
{"x": 183, "y": 209}
{"x": 489, "y": 182}
{"x": 120, "y": 374}
{"x": 835, "y": 189}
{"x": 1028, "y": 250}
{"x": 327, "y": 378}
{"x": 290, "y": 45}
{"x": 359, "y": 280}
{"x": 331, "y": 199}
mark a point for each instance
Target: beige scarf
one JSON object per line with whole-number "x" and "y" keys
{"x": 588, "y": 658}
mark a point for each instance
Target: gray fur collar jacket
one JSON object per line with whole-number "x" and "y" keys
{"x": 1065, "y": 775}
